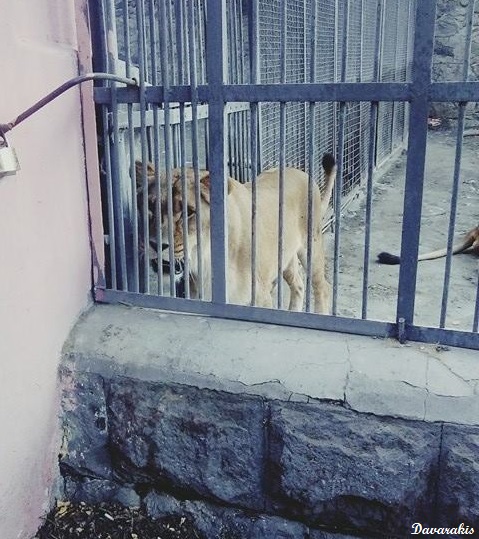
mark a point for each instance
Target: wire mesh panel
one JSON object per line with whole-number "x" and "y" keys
{"x": 393, "y": 68}
{"x": 276, "y": 18}
{"x": 402, "y": 68}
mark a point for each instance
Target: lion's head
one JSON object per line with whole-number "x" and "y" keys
{"x": 178, "y": 209}
{"x": 186, "y": 215}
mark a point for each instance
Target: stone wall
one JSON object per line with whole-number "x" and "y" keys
{"x": 245, "y": 466}
{"x": 449, "y": 52}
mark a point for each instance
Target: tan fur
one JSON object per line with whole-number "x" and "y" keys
{"x": 469, "y": 243}
{"x": 239, "y": 202}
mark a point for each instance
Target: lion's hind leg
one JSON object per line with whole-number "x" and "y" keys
{"x": 292, "y": 276}
{"x": 319, "y": 284}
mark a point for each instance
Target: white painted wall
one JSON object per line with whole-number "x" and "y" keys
{"x": 44, "y": 250}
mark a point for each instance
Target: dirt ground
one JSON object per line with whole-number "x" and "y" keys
{"x": 111, "y": 521}
{"x": 386, "y": 236}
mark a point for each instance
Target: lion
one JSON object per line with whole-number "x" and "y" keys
{"x": 239, "y": 230}
{"x": 468, "y": 244}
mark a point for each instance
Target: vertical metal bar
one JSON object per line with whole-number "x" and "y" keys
{"x": 110, "y": 240}
{"x": 216, "y": 71}
{"x": 306, "y": 112}
{"x": 369, "y": 202}
{"x": 335, "y": 69}
{"x": 180, "y": 41}
{"x": 371, "y": 161}
{"x": 179, "y": 19}
{"x": 244, "y": 175}
{"x": 171, "y": 39}
{"x": 118, "y": 201}
{"x": 468, "y": 43}
{"x": 231, "y": 149}
{"x": 339, "y": 178}
{"x": 135, "y": 285}
{"x": 240, "y": 79}
{"x": 338, "y": 189}
{"x": 382, "y": 105}
{"x": 235, "y": 145}
{"x": 475, "y": 323}
{"x": 361, "y": 44}
{"x": 231, "y": 115}
{"x": 311, "y": 153}
{"x": 457, "y": 169}
{"x": 394, "y": 103}
{"x": 201, "y": 39}
{"x": 467, "y": 56}
{"x": 232, "y": 43}
{"x": 421, "y": 81}
{"x": 165, "y": 71}
{"x": 154, "y": 33}
{"x": 254, "y": 68}
{"x": 192, "y": 25}
{"x": 410, "y": 30}
{"x": 109, "y": 197}
{"x": 453, "y": 211}
{"x": 233, "y": 70}
{"x": 282, "y": 154}
{"x": 140, "y": 18}
{"x": 336, "y": 39}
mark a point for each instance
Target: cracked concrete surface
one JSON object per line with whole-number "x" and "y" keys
{"x": 369, "y": 375}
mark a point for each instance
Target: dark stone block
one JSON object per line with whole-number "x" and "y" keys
{"x": 85, "y": 426}
{"x": 458, "y": 499}
{"x": 194, "y": 441}
{"x": 334, "y": 467}
{"x": 95, "y": 491}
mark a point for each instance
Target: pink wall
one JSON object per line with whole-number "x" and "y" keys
{"x": 45, "y": 269}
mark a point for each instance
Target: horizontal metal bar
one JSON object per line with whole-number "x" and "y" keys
{"x": 253, "y": 314}
{"x": 447, "y": 337}
{"x": 367, "y": 91}
{"x": 175, "y": 115}
{"x": 301, "y": 92}
{"x": 454, "y": 91}
{"x": 363, "y": 91}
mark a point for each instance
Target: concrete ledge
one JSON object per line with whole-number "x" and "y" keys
{"x": 368, "y": 375}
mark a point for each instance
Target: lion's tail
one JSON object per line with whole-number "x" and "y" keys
{"x": 464, "y": 244}
{"x": 329, "y": 167}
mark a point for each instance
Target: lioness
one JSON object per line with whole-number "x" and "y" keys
{"x": 239, "y": 203}
{"x": 469, "y": 243}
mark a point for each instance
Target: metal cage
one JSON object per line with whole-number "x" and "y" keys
{"x": 237, "y": 87}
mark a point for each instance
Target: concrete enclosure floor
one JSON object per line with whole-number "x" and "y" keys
{"x": 386, "y": 226}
